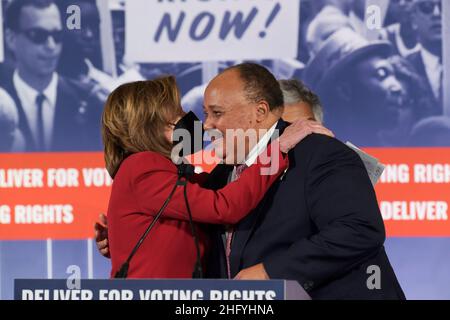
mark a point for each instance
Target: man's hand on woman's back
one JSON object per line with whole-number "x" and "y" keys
{"x": 101, "y": 236}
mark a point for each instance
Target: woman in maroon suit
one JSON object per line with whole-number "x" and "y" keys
{"x": 137, "y": 127}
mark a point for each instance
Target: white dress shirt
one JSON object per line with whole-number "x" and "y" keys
{"x": 27, "y": 96}
{"x": 256, "y": 150}
{"x": 433, "y": 68}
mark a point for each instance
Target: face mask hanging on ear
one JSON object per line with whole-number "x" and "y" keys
{"x": 188, "y": 135}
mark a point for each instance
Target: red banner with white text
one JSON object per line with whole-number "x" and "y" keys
{"x": 60, "y": 195}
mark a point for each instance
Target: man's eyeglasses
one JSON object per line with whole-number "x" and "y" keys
{"x": 40, "y": 36}
{"x": 428, "y": 7}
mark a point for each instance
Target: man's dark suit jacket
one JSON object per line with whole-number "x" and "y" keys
{"x": 436, "y": 106}
{"x": 320, "y": 225}
{"x": 76, "y": 123}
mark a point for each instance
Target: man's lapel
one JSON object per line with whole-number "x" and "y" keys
{"x": 71, "y": 118}
{"x": 23, "y": 122}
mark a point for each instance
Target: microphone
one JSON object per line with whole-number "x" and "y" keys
{"x": 185, "y": 170}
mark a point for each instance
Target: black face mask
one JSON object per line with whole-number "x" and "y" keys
{"x": 189, "y": 131}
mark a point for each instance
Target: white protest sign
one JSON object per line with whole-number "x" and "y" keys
{"x": 206, "y": 30}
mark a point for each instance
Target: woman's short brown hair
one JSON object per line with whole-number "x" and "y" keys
{"x": 135, "y": 117}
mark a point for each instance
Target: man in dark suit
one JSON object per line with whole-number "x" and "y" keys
{"x": 320, "y": 224}
{"x": 52, "y": 117}
{"x": 427, "y": 20}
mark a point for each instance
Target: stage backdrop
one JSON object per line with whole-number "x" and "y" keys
{"x": 395, "y": 104}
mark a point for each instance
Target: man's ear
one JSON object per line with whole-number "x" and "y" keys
{"x": 262, "y": 111}
{"x": 10, "y": 39}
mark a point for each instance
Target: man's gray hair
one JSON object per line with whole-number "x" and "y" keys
{"x": 295, "y": 91}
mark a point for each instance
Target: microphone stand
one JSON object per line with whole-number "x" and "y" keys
{"x": 184, "y": 171}
{"x": 187, "y": 170}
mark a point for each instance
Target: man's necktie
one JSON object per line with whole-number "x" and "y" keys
{"x": 230, "y": 231}
{"x": 40, "y": 140}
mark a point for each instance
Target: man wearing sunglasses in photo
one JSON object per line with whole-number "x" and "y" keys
{"x": 51, "y": 115}
{"x": 427, "y": 21}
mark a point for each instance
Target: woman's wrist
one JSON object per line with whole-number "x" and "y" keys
{"x": 284, "y": 147}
